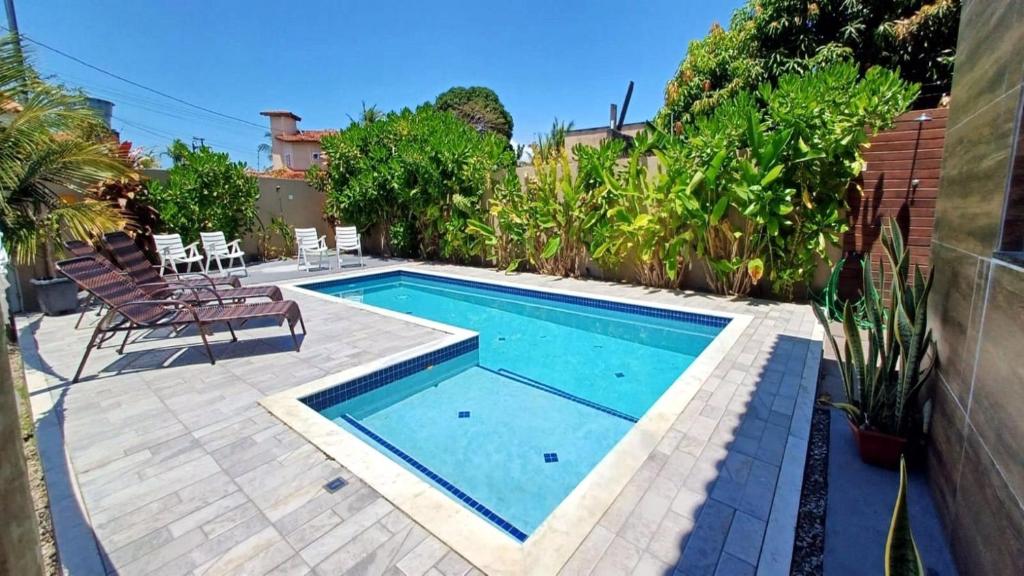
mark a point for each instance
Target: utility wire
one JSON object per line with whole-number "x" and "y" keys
{"x": 136, "y": 84}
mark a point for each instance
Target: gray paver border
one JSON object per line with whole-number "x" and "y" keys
{"x": 777, "y": 548}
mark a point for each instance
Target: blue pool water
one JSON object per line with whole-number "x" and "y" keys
{"x": 511, "y": 428}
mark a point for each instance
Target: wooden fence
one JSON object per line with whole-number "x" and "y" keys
{"x": 901, "y": 181}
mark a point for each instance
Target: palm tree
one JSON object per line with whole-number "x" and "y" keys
{"x": 53, "y": 151}
{"x": 264, "y": 150}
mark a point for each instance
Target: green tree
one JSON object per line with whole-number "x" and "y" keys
{"x": 418, "y": 174}
{"x": 50, "y": 161}
{"x": 205, "y": 191}
{"x": 477, "y": 106}
{"x": 767, "y": 39}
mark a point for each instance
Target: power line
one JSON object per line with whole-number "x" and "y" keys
{"x": 135, "y": 100}
{"x": 168, "y": 137}
{"x": 136, "y": 84}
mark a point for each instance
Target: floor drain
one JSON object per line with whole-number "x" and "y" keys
{"x": 335, "y": 485}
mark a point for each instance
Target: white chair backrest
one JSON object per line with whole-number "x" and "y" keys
{"x": 307, "y": 238}
{"x": 346, "y": 237}
{"x": 169, "y": 246}
{"x": 214, "y": 243}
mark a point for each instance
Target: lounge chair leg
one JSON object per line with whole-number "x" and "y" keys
{"x": 232, "y": 330}
{"x": 127, "y": 333}
{"x": 88, "y": 349}
{"x": 85, "y": 308}
{"x": 295, "y": 339}
{"x": 206, "y": 343}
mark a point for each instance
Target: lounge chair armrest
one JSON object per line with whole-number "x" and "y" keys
{"x": 175, "y": 287}
{"x": 214, "y": 282}
{"x": 322, "y": 241}
{"x": 157, "y": 301}
{"x": 192, "y": 250}
{"x": 236, "y": 243}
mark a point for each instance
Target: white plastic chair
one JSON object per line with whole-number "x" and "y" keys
{"x": 308, "y": 245}
{"x": 346, "y": 239}
{"x": 217, "y": 248}
{"x": 173, "y": 252}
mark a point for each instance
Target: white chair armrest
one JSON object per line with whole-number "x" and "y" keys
{"x": 235, "y": 243}
{"x": 323, "y": 242}
{"x": 192, "y": 249}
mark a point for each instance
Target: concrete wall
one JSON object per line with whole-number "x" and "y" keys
{"x": 19, "y": 534}
{"x": 976, "y": 460}
{"x": 298, "y": 203}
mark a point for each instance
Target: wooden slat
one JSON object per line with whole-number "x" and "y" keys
{"x": 894, "y": 158}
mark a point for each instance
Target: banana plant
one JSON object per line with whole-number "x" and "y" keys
{"x": 652, "y": 219}
{"x": 901, "y": 555}
{"x": 881, "y": 381}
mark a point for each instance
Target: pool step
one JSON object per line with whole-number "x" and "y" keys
{"x": 527, "y": 381}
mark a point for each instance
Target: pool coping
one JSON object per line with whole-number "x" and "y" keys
{"x": 551, "y": 545}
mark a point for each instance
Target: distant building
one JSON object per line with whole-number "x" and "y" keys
{"x": 292, "y": 151}
{"x": 594, "y": 136}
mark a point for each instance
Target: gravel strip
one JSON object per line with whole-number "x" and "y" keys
{"x": 809, "y": 545}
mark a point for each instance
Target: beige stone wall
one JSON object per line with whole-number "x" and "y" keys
{"x": 296, "y": 202}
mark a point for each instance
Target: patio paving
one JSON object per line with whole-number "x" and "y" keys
{"x": 158, "y": 463}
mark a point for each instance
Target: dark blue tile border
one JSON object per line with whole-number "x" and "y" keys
{"x": 468, "y": 500}
{"x": 335, "y": 395}
{"x": 526, "y": 380}
{"x": 650, "y": 311}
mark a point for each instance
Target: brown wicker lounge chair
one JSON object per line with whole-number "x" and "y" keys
{"x": 80, "y": 248}
{"x": 134, "y": 263}
{"x": 131, "y": 308}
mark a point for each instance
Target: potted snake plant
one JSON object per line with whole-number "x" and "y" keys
{"x": 885, "y": 369}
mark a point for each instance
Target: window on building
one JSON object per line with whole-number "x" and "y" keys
{"x": 316, "y": 156}
{"x": 1012, "y": 245}
{"x": 288, "y": 160}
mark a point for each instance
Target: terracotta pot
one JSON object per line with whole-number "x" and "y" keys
{"x": 878, "y": 449}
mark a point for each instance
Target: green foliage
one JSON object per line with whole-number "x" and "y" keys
{"x": 653, "y": 218}
{"x": 402, "y": 239}
{"x": 901, "y": 555}
{"x": 551, "y": 218}
{"x": 205, "y": 191}
{"x": 425, "y": 167}
{"x": 881, "y": 383}
{"x": 778, "y": 164}
{"x": 53, "y": 152}
{"x": 832, "y": 305}
{"x": 551, "y": 145}
{"x": 756, "y": 189}
{"x": 283, "y": 231}
{"x": 768, "y": 39}
{"x": 477, "y": 106}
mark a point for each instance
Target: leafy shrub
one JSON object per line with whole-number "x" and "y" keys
{"x": 551, "y": 220}
{"x": 477, "y": 106}
{"x": 205, "y": 191}
{"x": 424, "y": 167}
{"x": 756, "y": 189}
{"x": 768, "y": 39}
{"x": 785, "y": 157}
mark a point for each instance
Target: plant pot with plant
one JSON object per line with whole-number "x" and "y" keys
{"x": 885, "y": 369}
{"x": 53, "y": 151}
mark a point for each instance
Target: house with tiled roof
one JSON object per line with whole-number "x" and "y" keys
{"x": 292, "y": 151}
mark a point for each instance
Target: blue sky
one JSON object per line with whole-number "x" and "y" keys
{"x": 322, "y": 60}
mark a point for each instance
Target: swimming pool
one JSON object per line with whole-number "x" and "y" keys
{"x": 509, "y": 422}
